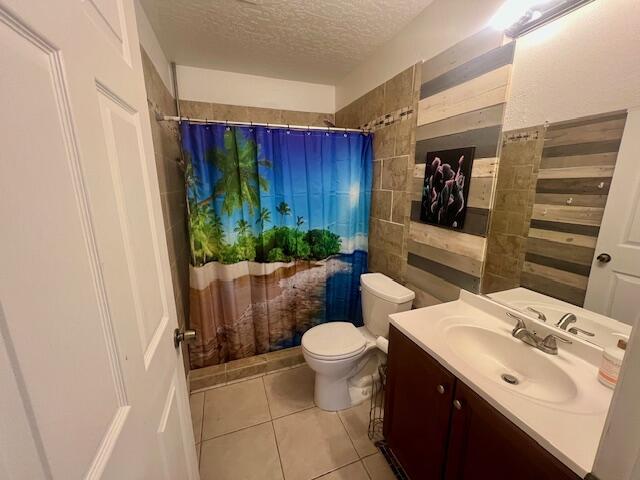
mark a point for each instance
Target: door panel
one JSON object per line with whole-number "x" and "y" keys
{"x": 95, "y": 388}
{"x": 485, "y": 444}
{"x": 416, "y": 421}
{"x": 614, "y": 287}
{"x": 122, "y": 131}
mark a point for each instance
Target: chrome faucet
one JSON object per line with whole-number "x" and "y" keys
{"x": 548, "y": 344}
{"x": 566, "y": 320}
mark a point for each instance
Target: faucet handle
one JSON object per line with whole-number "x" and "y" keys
{"x": 541, "y": 316}
{"x": 519, "y": 321}
{"x": 550, "y": 340}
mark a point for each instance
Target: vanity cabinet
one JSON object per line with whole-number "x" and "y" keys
{"x": 418, "y": 408}
{"x": 451, "y": 433}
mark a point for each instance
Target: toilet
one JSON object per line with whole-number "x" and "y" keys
{"x": 345, "y": 358}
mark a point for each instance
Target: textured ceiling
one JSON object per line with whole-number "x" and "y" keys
{"x": 317, "y": 41}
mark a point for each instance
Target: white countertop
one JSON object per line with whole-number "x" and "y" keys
{"x": 570, "y": 428}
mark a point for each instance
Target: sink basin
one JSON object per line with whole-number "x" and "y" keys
{"x": 511, "y": 363}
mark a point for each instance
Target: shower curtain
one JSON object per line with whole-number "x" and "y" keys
{"x": 278, "y": 225}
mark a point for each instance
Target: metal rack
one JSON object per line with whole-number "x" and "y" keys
{"x": 376, "y": 410}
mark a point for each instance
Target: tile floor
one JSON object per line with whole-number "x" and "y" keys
{"x": 268, "y": 428}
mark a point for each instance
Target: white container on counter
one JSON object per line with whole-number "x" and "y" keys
{"x": 611, "y": 362}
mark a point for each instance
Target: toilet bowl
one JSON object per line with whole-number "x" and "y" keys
{"x": 345, "y": 358}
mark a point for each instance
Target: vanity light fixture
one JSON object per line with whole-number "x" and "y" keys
{"x": 517, "y": 17}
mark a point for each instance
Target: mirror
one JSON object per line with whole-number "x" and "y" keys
{"x": 562, "y": 241}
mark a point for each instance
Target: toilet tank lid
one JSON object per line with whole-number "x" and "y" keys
{"x": 383, "y": 287}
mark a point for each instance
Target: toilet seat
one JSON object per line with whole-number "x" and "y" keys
{"x": 334, "y": 341}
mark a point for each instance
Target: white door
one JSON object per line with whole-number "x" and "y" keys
{"x": 614, "y": 285}
{"x": 91, "y": 385}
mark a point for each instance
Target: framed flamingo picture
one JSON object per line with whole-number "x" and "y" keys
{"x": 446, "y": 187}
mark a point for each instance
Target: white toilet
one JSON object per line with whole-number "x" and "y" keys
{"x": 344, "y": 357}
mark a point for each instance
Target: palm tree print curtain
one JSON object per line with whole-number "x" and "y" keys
{"x": 278, "y": 225}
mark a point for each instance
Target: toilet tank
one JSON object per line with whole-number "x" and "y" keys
{"x": 381, "y": 296}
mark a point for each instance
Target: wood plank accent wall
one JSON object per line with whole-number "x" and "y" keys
{"x": 576, "y": 168}
{"x": 462, "y": 97}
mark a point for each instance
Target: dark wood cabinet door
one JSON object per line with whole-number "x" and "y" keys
{"x": 417, "y": 411}
{"x": 483, "y": 443}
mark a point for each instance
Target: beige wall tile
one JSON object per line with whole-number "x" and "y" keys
{"x": 231, "y": 113}
{"x": 384, "y": 142}
{"x": 207, "y": 377}
{"x": 381, "y": 204}
{"x": 288, "y": 357}
{"x": 246, "y": 367}
{"x": 394, "y": 173}
{"x": 377, "y": 172}
{"x": 263, "y": 115}
{"x": 398, "y": 91}
{"x": 193, "y": 109}
{"x": 406, "y": 136}
{"x": 351, "y": 115}
{"x": 373, "y": 104}
{"x": 400, "y": 207}
{"x": 292, "y": 117}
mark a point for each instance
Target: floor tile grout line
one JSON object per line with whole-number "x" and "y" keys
{"x": 271, "y": 418}
{"x": 266, "y": 395}
{"x": 273, "y": 428}
{"x": 297, "y": 411}
{"x": 204, "y": 400}
{"x": 275, "y": 437}
{"x": 343, "y": 466}
{"x": 235, "y": 431}
{"x": 348, "y": 434}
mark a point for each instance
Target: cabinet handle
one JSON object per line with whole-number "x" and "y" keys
{"x": 457, "y": 405}
{"x": 440, "y": 389}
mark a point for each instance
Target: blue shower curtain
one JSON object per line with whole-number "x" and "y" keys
{"x": 278, "y": 226}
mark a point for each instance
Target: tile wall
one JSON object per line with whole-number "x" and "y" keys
{"x": 237, "y": 113}
{"x": 511, "y": 215}
{"x": 388, "y": 109}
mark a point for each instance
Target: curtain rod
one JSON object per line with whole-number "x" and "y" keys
{"x": 173, "y": 118}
